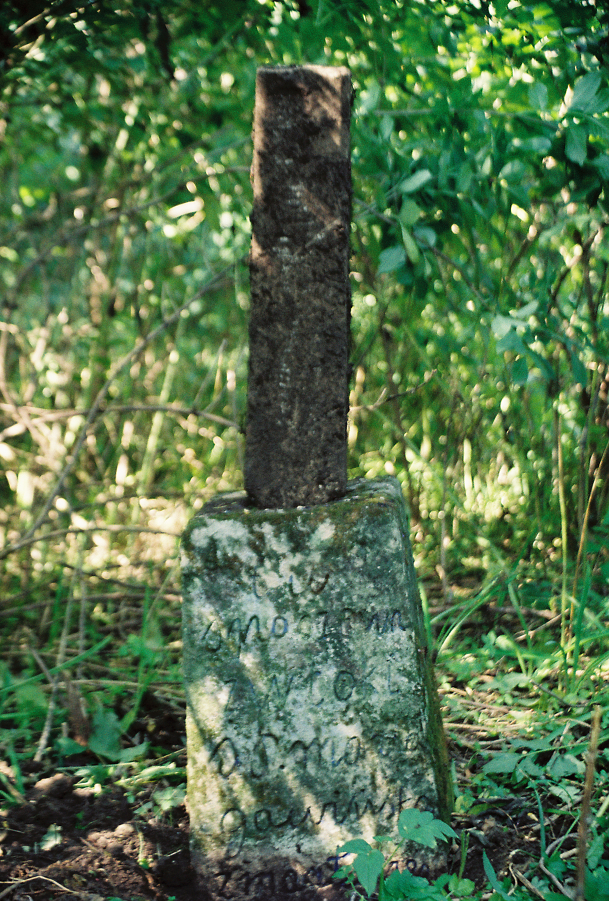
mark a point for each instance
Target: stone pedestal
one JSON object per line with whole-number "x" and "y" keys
{"x": 312, "y": 716}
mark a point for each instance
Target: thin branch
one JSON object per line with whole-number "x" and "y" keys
{"x": 385, "y": 398}
{"x": 18, "y": 882}
{"x": 61, "y": 533}
{"x": 170, "y": 408}
{"x": 520, "y": 877}
{"x": 561, "y": 888}
{"x": 19, "y": 428}
{"x": 457, "y": 266}
{"x": 96, "y": 407}
{"x": 584, "y": 529}
{"x": 582, "y": 834}
{"x": 67, "y": 235}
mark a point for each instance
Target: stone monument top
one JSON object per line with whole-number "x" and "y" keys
{"x": 296, "y": 433}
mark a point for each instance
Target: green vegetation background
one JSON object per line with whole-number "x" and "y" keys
{"x": 480, "y": 329}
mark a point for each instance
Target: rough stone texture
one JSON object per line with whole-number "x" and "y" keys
{"x": 296, "y": 448}
{"x": 312, "y": 716}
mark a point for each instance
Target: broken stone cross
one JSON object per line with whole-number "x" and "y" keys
{"x": 296, "y": 440}
{"x": 312, "y": 716}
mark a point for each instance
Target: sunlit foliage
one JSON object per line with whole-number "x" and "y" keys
{"x": 479, "y": 265}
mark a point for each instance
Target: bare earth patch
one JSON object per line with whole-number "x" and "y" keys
{"x": 106, "y": 849}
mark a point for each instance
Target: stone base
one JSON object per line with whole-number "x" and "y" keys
{"x": 312, "y": 716}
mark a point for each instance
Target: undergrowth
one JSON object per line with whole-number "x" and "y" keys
{"x": 527, "y": 717}
{"x": 480, "y": 381}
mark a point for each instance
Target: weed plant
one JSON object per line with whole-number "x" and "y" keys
{"x": 480, "y": 363}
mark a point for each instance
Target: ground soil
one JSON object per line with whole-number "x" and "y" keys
{"x": 114, "y": 840}
{"x": 106, "y": 850}
{"x": 115, "y": 845}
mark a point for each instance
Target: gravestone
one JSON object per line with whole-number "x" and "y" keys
{"x": 312, "y": 716}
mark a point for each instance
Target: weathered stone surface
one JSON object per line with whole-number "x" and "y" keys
{"x": 312, "y": 716}
{"x": 296, "y": 441}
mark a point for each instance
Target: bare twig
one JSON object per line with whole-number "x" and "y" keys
{"x": 18, "y": 882}
{"x": 384, "y": 397}
{"x": 551, "y": 621}
{"x": 520, "y": 877}
{"x": 582, "y": 832}
{"x": 584, "y": 530}
{"x": 96, "y": 406}
{"x": 61, "y": 533}
{"x": 61, "y": 656}
{"x": 561, "y": 701}
{"x": 561, "y": 888}
{"x": 19, "y": 428}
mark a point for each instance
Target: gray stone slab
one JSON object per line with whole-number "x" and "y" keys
{"x": 312, "y": 716}
{"x": 296, "y": 430}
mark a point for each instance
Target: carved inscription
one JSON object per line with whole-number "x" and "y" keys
{"x": 269, "y": 753}
{"x": 269, "y": 882}
{"x": 266, "y": 882}
{"x": 291, "y": 702}
{"x": 308, "y": 633}
{"x": 236, "y": 824}
{"x": 307, "y": 690}
{"x": 320, "y": 688}
{"x": 242, "y": 632}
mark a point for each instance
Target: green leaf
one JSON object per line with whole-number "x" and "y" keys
{"x": 386, "y": 127}
{"x": 464, "y": 179}
{"x": 511, "y": 342}
{"x": 501, "y": 325}
{"x": 170, "y": 797}
{"x": 463, "y": 888}
{"x": 580, "y": 373}
{"x": 106, "y": 734}
{"x": 596, "y": 850}
{"x": 399, "y": 886}
{"x": 584, "y": 92}
{"x": 520, "y": 371}
{"x": 368, "y": 867}
{"x": 354, "y": 846}
{"x": 412, "y": 818}
{"x": 391, "y": 259}
{"x": 425, "y": 235}
{"x": 409, "y": 213}
{"x": 492, "y": 878}
{"x": 546, "y": 369}
{"x": 596, "y": 127}
{"x": 538, "y": 95}
{"x": 419, "y": 826}
{"x": 67, "y": 747}
{"x": 576, "y": 146}
{"x": 528, "y": 309}
{"x": 530, "y": 768}
{"x": 538, "y": 144}
{"x": 369, "y": 99}
{"x": 137, "y": 752}
{"x": 414, "y": 182}
{"x": 343, "y": 872}
{"x": 597, "y": 885}
{"x": 502, "y": 763}
{"x": 568, "y": 793}
{"x": 601, "y": 164}
{"x": 31, "y": 698}
{"x": 410, "y": 245}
